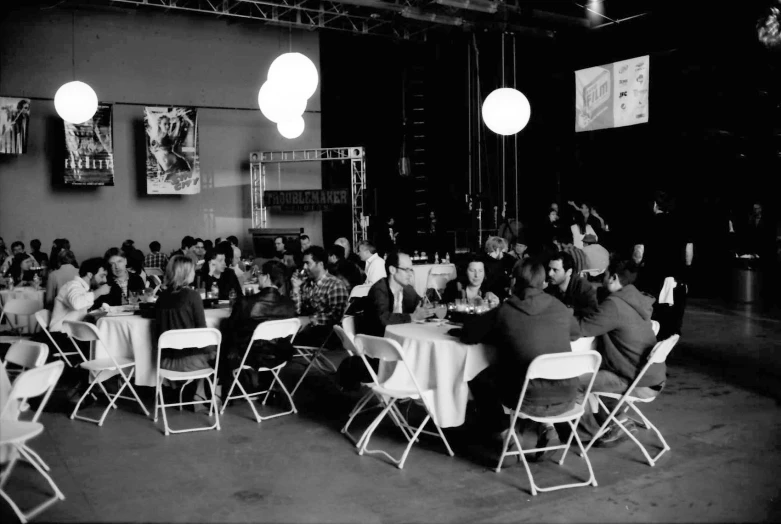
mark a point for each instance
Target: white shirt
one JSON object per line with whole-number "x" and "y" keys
{"x": 375, "y": 269}
{"x": 72, "y": 303}
{"x": 577, "y": 236}
{"x": 397, "y": 301}
{"x": 57, "y": 279}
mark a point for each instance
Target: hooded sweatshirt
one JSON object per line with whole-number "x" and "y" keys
{"x": 623, "y": 323}
{"x": 521, "y": 330}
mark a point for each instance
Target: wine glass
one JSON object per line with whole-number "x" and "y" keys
{"x": 440, "y": 311}
{"x": 132, "y": 298}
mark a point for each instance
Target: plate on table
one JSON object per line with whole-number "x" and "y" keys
{"x": 120, "y": 313}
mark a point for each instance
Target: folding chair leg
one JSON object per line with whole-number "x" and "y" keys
{"x": 316, "y": 356}
{"x": 650, "y": 425}
{"x": 229, "y": 396}
{"x": 278, "y": 380}
{"x": 25, "y": 517}
{"x": 37, "y": 457}
{"x": 81, "y": 399}
{"x": 357, "y": 409}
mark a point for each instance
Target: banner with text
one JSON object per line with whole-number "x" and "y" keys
{"x": 612, "y": 95}
{"x": 306, "y": 200}
{"x": 89, "y": 150}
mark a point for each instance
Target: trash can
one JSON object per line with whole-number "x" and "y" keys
{"x": 746, "y": 285}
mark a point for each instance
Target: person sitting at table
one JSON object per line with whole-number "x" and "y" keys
{"x": 340, "y": 267}
{"x": 374, "y": 265}
{"x": 155, "y": 259}
{"x": 216, "y": 271}
{"x": 529, "y": 324}
{"x": 122, "y": 282}
{"x": 349, "y": 254}
{"x": 135, "y": 264}
{"x": 321, "y": 296}
{"x": 497, "y": 279}
{"x": 569, "y": 287}
{"x": 597, "y": 257}
{"x": 80, "y": 295}
{"x": 625, "y": 337}
{"x": 57, "y": 245}
{"x": 40, "y": 257}
{"x": 21, "y": 269}
{"x": 268, "y": 304}
{"x": 471, "y": 284}
{"x": 17, "y": 248}
{"x": 187, "y": 249}
{"x": 563, "y": 242}
{"x": 180, "y": 307}
{"x": 67, "y": 271}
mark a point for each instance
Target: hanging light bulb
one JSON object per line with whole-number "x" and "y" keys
{"x": 296, "y": 73}
{"x": 278, "y": 104}
{"x": 291, "y": 128}
{"x": 76, "y": 102}
{"x": 506, "y": 111}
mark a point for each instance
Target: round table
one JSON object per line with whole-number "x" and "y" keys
{"x": 132, "y": 337}
{"x": 422, "y": 272}
{"x": 440, "y": 363}
{"x": 26, "y": 293}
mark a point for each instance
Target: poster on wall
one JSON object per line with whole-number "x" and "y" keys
{"x": 172, "y": 164}
{"x": 89, "y": 150}
{"x": 612, "y": 95}
{"x": 14, "y": 125}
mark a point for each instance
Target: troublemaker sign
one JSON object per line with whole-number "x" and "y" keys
{"x": 306, "y": 200}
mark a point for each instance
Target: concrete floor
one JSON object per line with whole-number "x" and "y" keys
{"x": 720, "y": 414}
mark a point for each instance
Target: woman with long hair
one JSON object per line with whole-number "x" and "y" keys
{"x": 471, "y": 284}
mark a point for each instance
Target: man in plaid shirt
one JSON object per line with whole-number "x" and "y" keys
{"x": 321, "y": 295}
{"x": 155, "y": 258}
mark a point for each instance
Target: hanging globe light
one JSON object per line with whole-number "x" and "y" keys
{"x": 76, "y": 102}
{"x": 295, "y": 72}
{"x": 278, "y": 104}
{"x": 506, "y": 111}
{"x": 291, "y": 128}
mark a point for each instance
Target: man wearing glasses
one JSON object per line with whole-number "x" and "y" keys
{"x": 393, "y": 300}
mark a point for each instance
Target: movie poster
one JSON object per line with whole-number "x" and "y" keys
{"x": 90, "y": 151}
{"x": 172, "y": 165}
{"x": 14, "y": 125}
{"x": 612, "y": 95}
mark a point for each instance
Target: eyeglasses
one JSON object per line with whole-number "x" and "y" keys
{"x": 407, "y": 269}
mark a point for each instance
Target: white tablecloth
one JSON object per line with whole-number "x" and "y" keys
{"x": 441, "y": 363}
{"x": 132, "y": 337}
{"x": 422, "y": 272}
{"x": 26, "y": 293}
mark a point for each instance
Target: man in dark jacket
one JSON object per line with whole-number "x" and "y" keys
{"x": 391, "y": 300}
{"x": 625, "y": 338}
{"x": 247, "y": 313}
{"x": 529, "y": 324}
{"x": 569, "y": 287}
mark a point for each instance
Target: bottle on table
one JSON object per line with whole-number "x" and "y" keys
{"x": 447, "y": 258}
{"x": 215, "y": 292}
{"x": 436, "y": 257}
{"x": 232, "y": 296}
{"x": 36, "y": 282}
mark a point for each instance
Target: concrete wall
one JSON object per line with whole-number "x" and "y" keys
{"x": 133, "y": 59}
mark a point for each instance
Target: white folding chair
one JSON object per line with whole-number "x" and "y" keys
{"x": 19, "y": 307}
{"x": 182, "y": 339}
{"x": 269, "y": 330}
{"x": 389, "y": 351}
{"x": 359, "y": 291}
{"x": 154, "y": 280}
{"x": 346, "y": 334}
{"x": 658, "y": 355}
{"x": 655, "y": 326}
{"x": 554, "y": 366}
{"x": 314, "y": 358}
{"x": 44, "y": 318}
{"x": 153, "y": 272}
{"x": 101, "y": 369}
{"x": 26, "y": 355}
{"x": 15, "y": 433}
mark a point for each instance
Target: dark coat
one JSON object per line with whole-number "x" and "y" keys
{"x": 227, "y": 281}
{"x": 378, "y": 311}
{"x": 114, "y": 297}
{"x": 623, "y": 323}
{"x": 521, "y": 329}
{"x": 580, "y": 295}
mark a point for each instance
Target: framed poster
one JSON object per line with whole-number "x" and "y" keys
{"x": 14, "y": 125}
{"x": 172, "y": 164}
{"x": 89, "y": 150}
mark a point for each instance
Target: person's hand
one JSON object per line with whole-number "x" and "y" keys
{"x": 490, "y": 296}
{"x": 295, "y": 281}
{"x": 212, "y": 267}
{"x": 105, "y": 289}
{"x": 422, "y": 313}
{"x": 572, "y": 203}
{"x": 594, "y": 212}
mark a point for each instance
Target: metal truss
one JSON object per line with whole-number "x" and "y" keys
{"x": 376, "y": 17}
{"x": 260, "y": 160}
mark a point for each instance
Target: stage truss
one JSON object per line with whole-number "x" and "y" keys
{"x": 260, "y": 161}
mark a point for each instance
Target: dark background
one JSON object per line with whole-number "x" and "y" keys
{"x": 713, "y": 139}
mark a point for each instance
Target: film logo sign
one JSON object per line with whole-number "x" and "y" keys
{"x": 306, "y": 200}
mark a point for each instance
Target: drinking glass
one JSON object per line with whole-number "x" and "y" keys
{"x": 440, "y": 311}
{"x": 132, "y": 297}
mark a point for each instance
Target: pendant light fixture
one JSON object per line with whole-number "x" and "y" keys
{"x": 75, "y": 102}
{"x": 506, "y": 111}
